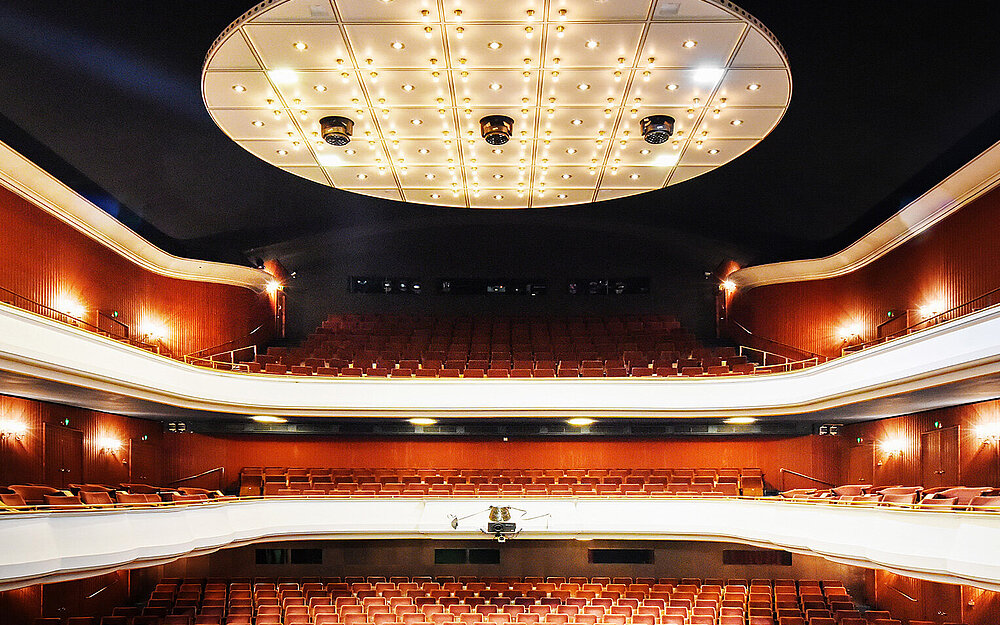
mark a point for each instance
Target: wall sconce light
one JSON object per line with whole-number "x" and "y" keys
{"x": 850, "y": 331}
{"x": 893, "y": 446}
{"x": 931, "y": 308}
{"x": 727, "y": 285}
{"x": 988, "y": 432}
{"x": 70, "y": 306}
{"x": 13, "y": 429}
{"x": 152, "y": 331}
{"x": 108, "y": 445}
{"x": 273, "y": 286}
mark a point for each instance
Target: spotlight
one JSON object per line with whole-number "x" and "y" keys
{"x": 497, "y": 129}
{"x": 657, "y": 129}
{"x": 336, "y": 130}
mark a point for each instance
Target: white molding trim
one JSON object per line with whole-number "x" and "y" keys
{"x": 37, "y": 186}
{"x": 921, "y": 371}
{"x": 969, "y": 182}
{"x": 949, "y": 547}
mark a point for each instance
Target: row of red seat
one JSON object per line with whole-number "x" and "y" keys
{"x": 97, "y": 495}
{"x": 974, "y": 498}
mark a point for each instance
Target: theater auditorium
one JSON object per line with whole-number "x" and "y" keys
{"x": 537, "y": 312}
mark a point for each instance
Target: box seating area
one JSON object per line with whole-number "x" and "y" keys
{"x": 79, "y": 496}
{"x": 402, "y": 346}
{"x": 446, "y": 600}
{"x": 301, "y": 481}
{"x": 971, "y": 498}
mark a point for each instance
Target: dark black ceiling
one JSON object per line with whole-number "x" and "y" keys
{"x": 889, "y": 96}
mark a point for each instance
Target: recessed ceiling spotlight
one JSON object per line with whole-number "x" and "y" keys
{"x": 566, "y": 176}
{"x": 576, "y": 122}
{"x": 300, "y": 46}
{"x": 672, "y": 87}
{"x": 634, "y": 176}
{"x": 282, "y": 152}
{"x": 713, "y": 151}
{"x": 257, "y": 123}
{"x": 430, "y": 176}
{"x": 269, "y": 419}
{"x": 362, "y": 176}
{"x": 690, "y": 43}
{"x": 562, "y": 196}
{"x": 495, "y": 86}
{"x": 497, "y": 197}
{"x": 350, "y": 151}
{"x": 736, "y": 122}
{"x": 754, "y": 86}
{"x": 583, "y": 86}
{"x": 435, "y": 196}
{"x": 644, "y": 151}
{"x": 592, "y": 44}
{"x": 239, "y": 88}
{"x": 570, "y": 150}
{"x": 407, "y": 87}
{"x": 424, "y": 151}
{"x": 319, "y": 88}
{"x": 497, "y": 176}
{"x": 494, "y": 45}
{"x": 397, "y": 45}
{"x": 497, "y": 151}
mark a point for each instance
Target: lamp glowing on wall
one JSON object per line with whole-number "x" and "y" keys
{"x": 69, "y": 305}
{"x": 727, "y": 285}
{"x": 273, "y": 286}
{"x": 931, "y": 308}
{"x": 12, "y": 429}
{"x": 152, "y": 331}
{"x": 108, "y": 445}
{"x": 850, "y": 331}
{"x": 893, "y": 446}
{"x": 988, "y": 432}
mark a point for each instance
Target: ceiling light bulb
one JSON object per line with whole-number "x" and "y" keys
{"x": 713, "y": 151}
{"x": 430, "y": 176}
{"x": 690, "y": 43}
{"x": 592, "y": 44}
{"x": 576, "y": 122}
{"x": 374, "y": 76}
{"x": 580, "y": 421}
{"x": 495, "y": 86}
{"x": 570, "y": 150}
{"x": 282, "y": 152}
{"x": 566, "y": 176}
{"x": 424, "y": 151}
{"x": 753, "y": 86}
{"x": 416, "y": 122}
{"x": 562, "y": 196}
{"x": 562, "y": 14}
{"x": 300, "y": 46}
{"x": 494, "y": 45}
{"x": 560, "y": 29}
{"x": 459, "y": 32}
{"x": 276, "y": 113}
{"x": 269, "y": 419}
{"x": 497, "y": 176}
{"x": 458, "y": 15}
{"x": 527, "y": 31}
{"x": 427, "y": 31}
{"x": 634, "y": 176}
{"x": 397, "y": 45}
{"x": 531, "y": 14}
{"x": 498, "y": 197}
{"x": 690, "y": 113}
{"x": 645, "y": 76}
{"x": 424, "y": 13}
{"x": 618, "y": 76}
{"x": 406, "y": 87}
{"x": 239, "y": 88}
{"x": 465, "y": 76}
{"x": 495, "y": 151}
{"x": 435, "y": 196}
{"x": 257, "y": 123}
{"x": 650, "y": 61}
{"x": 736, "y": 122}
{"x": 716, "y": 113}
{"x": 362, "y": 176}
{"x": 583, "y": 86}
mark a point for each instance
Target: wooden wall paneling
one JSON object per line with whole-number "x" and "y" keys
{"x": 62, "y": 455}
{"x": 20, "y": 606}
{"x": 188, "y": 454}
{"x": 47, "y": 261}
{"x": 953, "y": 262}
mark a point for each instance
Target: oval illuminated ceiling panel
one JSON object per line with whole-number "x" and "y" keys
{"x": 576, "y": 77}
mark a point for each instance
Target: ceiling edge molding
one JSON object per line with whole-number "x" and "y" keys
{"x": 37, "y": 186}
{"x": 969, "y": 182}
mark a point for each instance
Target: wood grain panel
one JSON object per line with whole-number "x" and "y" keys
{"x": 22, "y": 461}
{"x": 953, "y": 262}
{"x": 188, "y": 454}
{"x": 45, "y": 260}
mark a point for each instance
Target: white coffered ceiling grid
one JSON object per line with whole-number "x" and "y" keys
{"x": 416, "y": 76}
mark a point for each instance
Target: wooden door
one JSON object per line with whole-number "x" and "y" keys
{"x": 63, "y": 452}
{"x": 860, "y": 465}
{"x": 143, "y": 463}
{"x": 939, "y": 458}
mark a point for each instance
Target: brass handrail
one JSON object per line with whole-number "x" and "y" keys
{"x": 202, "y": 474}
{"x": 782, "y": 471}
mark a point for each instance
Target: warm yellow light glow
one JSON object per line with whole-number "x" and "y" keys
{"x": 850, "y": 331}
{"x": 152, "y": 330}
{"x": 740, "y": 420}
{"x": 13, "y": 429}
{"x": 728, "y": 285}
{"x": 893, "y": 446}
{"x": 71, "y": 306}
{"x": 422, "y": 421}
{"x": 580, "y": 421}
{"x": 273, "y": 286}
{"x": 931, "y": 308}
{"x": 267, "y": 419}
{"x": 108, "y": 445}
{"x": 989, "y": 431}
